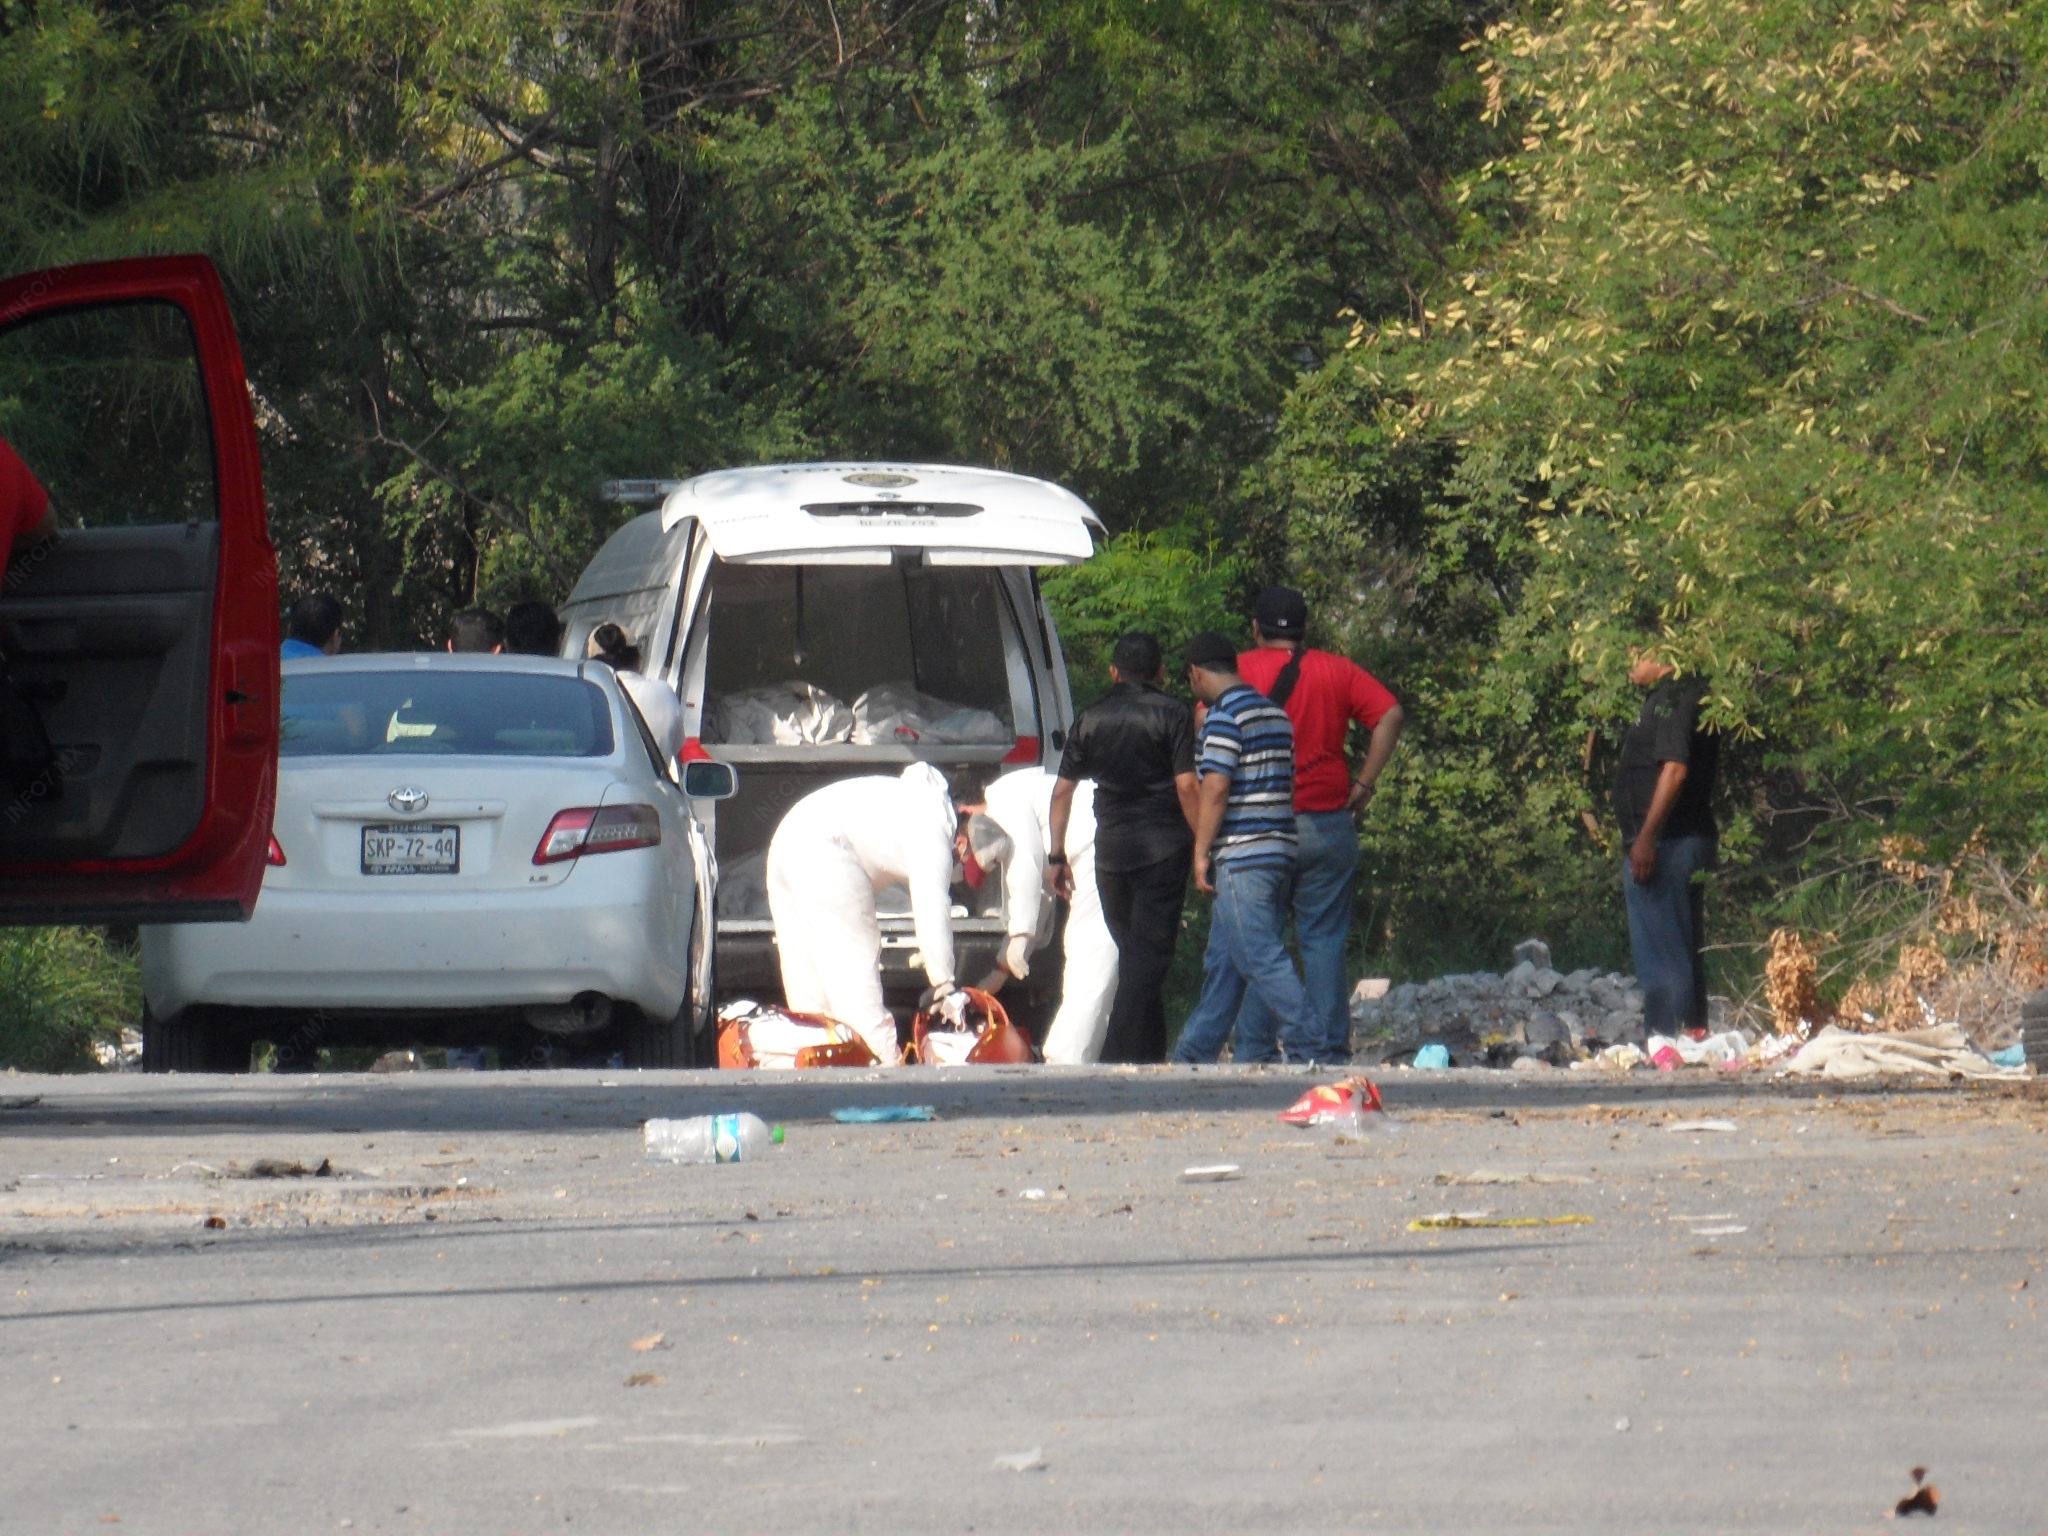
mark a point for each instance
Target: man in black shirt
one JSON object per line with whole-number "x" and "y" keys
{"x": 1663, "y": 794}
{"x": 1138, "y": 744}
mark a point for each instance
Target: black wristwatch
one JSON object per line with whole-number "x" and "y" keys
{"x": 1055, "y": 858}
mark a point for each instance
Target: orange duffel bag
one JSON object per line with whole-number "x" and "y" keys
{"x": 989, "y": 1037}
{"x": 774, "y": 1039}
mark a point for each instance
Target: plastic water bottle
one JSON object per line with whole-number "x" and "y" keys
{"x": 711, "y": 1138}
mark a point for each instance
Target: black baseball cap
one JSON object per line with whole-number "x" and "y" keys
{"x": 1209, "y": 649}
{"x": 1281, "y": 612}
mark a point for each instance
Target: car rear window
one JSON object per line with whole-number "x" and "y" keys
{"x": 347, "y": 713}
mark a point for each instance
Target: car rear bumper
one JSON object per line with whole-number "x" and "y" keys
{"x": 315, "y": 950}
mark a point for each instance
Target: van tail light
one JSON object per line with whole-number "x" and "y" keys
{"x": 590, "y": 829}
{"x": 275, "y": 858}
{"x": 693, "y": 751}
{"x": 1026, "y": 750}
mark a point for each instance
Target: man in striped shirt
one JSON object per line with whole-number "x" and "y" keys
{"x": 1244, "y": 857}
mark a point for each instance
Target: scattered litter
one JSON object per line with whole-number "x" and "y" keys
{"x": 1621, "y": 1058}
{"x": 651, "y": 1342}
{"x": 214, "y": 1223}
{"x": 1032, "y": 1460}
{"x": 1349, "y": 1108}
{"x": 1621, "y": 1425}
{"x": 1030, "y": 1194}
{"x": 1925, "y": 1498}
{"x": 28, "y": 1103}
{"x": 710, "y": 1138}
{"x": 643, "y": 1379}
{"x": 1371, "y": 989}
{"x": 1666, "y": 1058}
{"x": 885, "y": 1114}
{"x": 1212, "y": 1173}
{"x": 1729, "y": 1231}
{"x": 277, "y": 1168}
{"x": 1505, "y": 1176}
{"x": 2011, "y": 1056}
{"x": 397, "y": 1061}
{"x": 1701, "y": 1125}
{"x": 1434, "y": 1057}
{"x": 1447, "y": 1221}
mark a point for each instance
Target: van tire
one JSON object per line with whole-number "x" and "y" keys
{"x": 197, "y": 1039}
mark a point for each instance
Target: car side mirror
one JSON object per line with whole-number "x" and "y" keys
{"x": 710, "y": 781}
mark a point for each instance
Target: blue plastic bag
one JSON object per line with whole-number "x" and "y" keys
{"x": 1433, "y": 1058}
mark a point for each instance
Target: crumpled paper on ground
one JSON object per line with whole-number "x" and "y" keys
{"x": 1943, "y": 1051}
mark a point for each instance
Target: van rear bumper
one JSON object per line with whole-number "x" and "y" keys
{"x": 747, "y": 960}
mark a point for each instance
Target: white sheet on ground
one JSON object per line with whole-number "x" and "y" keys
{"x": 1943, "y": 1051}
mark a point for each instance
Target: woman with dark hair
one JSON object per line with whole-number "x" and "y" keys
{"x": 656, "y": 701}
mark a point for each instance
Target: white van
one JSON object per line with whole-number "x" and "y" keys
{"x": 821, "y": 621}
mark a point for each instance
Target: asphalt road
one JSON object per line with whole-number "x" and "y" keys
{"x": 497, "y": 1317}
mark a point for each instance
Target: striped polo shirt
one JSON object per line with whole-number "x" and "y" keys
{"x": 1249, "y": 739}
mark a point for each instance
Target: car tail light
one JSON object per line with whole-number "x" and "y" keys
{"x": 275, "y": 857}
{"x": 591, "y": 830}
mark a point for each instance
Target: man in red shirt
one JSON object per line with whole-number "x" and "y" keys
{"x": 1322, "y": 695}
{"x": 25, "y": 516}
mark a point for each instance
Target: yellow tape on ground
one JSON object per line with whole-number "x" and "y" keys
{"x": 1452, "y": 1223}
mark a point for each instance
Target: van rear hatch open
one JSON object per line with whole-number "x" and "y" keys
{"x": 865, "y": 514}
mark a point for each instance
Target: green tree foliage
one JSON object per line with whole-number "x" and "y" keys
{"x": 62, "y": 990}
{"x": 1742, "y": 334}
{"x": 484, "y": 256}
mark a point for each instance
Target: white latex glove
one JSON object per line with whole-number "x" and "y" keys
{"x": 1016, "y": 955}
{"x": 953, "y": 1008}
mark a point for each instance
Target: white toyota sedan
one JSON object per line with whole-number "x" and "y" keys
{"x": 473, "y": 840}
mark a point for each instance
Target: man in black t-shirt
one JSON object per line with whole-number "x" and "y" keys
{"x": 1138, "y": 744}
{"x": 1663, "y": 794}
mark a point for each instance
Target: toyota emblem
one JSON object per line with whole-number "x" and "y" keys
{"x": 409, "y": 801}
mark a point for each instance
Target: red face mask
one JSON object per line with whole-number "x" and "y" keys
{"x": 971, "y": 870}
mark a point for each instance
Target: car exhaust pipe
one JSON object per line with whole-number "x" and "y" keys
{"x": 583, "y": 1014}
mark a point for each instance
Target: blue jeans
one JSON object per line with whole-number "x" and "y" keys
{"x": 1247, "y": 952}
{"x": 1325, "y": 874}
{"x": 1665, "y": 929}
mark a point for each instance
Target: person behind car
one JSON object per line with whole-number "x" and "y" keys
{"x": 1137, "y": 743}
{"x": 656, "y": 701}
{"x": 476, "y": 632}
{"x": 1244, "y": 857}
{"x": 312, "y": 626}
{"x": 836, "y": 848}
{"x": 1323, "y": 695}
{"x": 532, "y": 629}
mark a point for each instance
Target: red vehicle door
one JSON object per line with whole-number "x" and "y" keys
{"x": 145, "y": 634}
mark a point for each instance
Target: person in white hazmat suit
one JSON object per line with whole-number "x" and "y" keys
{"x": 1022, "y": 803}
{"x": 834, "y": 850}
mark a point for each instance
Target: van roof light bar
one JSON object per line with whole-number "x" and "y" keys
{"x": 638, "y": 492}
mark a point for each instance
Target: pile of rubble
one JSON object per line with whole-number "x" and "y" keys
{"x": 1492, "y": 1020}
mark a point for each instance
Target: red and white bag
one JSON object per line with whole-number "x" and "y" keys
{"x": 989, "y": 1037}
{"x": 752, "y": 1035}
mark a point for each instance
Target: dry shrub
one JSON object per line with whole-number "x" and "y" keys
{"x": 1967, "y": 942}
{"x": 1792, "y": 983}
